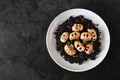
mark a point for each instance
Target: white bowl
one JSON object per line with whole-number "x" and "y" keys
{"x": 51, "y": 41}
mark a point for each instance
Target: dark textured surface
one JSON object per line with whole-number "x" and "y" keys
{"x": 23, "y": 27}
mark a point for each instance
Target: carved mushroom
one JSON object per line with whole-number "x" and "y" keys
{"x": 89, "y": 49}
{"x": 69, "y": 49}
{"x": 74, "y": 36}
{"x": 85, "y": 36}
{"x": 77, "y": 27}
{"x": 79, "y": 46}
{"x": 64, "y": 37}
{"x": 93, "y": 33}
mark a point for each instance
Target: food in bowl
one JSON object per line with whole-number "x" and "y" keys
{"x": 78, "y": 39}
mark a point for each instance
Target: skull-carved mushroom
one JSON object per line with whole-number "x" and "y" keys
{"x": 79, "y": 46}
{"x": 89, "y": 49}
{"x": 93, "y": 33}
{"x": 69, "y": 49}
{"x": 77, "y": 27}
{"x": 74, "y": 36}
{"x": 64, "y": 37}
{"x": 85, "y": 36}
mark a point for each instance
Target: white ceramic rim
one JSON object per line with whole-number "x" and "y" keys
{"x": 76, "y": 70}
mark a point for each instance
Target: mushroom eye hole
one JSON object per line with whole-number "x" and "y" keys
{"x": 76, "y": 25}
{"x": 80, "y": 48}
{"x": 62, "y": 38}
{"x": 92, "y": 32}
{"x": 86, "y": 35}
{"x": 80, "y": 26}
{"x": 93, "y": 35}
{"x": 83, "y": 34}
{"x": 72, "y": 34}
{"x": 87, "y": 47}
{"x": 75, "y": 34}
{"x": 77, "y": 45}
{"x": 63, "y": 35}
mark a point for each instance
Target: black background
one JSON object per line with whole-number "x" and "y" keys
{"x": 23, "y": 27}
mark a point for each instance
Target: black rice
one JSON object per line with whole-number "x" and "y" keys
{"x": 79, "y": 57}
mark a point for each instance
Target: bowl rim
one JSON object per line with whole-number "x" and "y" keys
{"x": 108, "y": 35}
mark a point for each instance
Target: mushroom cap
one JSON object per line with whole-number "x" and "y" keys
{"x": 64, "y": 37}
{"x": 85, "y": 36}
{"x": 74, "y": 35}
{"x": 69, "y": 49}
{"x": 93, "y": 33}
{"x": 77, "y": 27}
{"x": 79, "y": 46}
{"x": 89, "y": 48}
